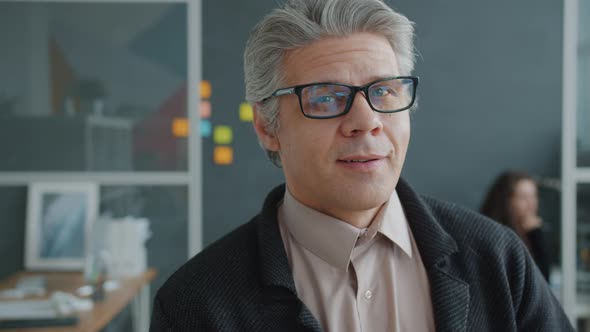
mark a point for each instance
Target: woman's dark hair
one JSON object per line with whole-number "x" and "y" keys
{"x": 497, "y": 202}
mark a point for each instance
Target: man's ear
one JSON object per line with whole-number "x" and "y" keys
{"x": 268, "y": 139}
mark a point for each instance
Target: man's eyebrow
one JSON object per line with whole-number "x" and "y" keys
{"x": 343, "y": 81}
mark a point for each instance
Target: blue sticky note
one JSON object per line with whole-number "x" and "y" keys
{"x": 205, "y": 128}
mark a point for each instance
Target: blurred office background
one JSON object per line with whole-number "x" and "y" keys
{"x": 108, "y": 92}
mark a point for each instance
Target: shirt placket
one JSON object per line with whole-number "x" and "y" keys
{"x": 365, "y": 286}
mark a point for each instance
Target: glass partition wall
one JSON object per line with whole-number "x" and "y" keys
{"x": 575, "y": 200}
{"x": 104, "y": 92}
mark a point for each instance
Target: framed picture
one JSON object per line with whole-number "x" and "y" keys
{"x": 59, "y": 218}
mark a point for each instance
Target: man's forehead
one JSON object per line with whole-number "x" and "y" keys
{"x": 350, "y": 59}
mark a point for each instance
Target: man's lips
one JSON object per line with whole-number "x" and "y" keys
{"x": 361, "y": 158}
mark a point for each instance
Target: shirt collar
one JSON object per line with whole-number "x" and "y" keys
{"x": 334, "y": 240}
{"x": 394, "y": 224}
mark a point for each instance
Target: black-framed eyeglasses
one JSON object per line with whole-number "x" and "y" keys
{"x": 328, "y": 100}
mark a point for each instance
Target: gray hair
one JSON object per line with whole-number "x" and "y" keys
{"x": 301, "y": 22}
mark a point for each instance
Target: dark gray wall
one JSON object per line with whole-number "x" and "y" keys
{"x": 491, "y": 93}
{"x": 490, "y": 99}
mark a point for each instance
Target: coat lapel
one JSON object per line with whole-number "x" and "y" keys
{"x": 450, "y": 301}
{"x": 449, "y": 293}
{"x": 276, "y": 274}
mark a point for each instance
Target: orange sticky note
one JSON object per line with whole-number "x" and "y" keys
{"x": 180, "y": 127}
{"x": 246, "y": 112}
{"x": 205, "y": 109}
{"x": 206, "y": 89}
{"x": 223, "y": 155}
{"x": 222, "y": 135}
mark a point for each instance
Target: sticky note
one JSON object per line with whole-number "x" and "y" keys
{"x": 205, "y": 128}
{"x": 206, "y": 89}
{"x": 246, "y": 112}
{"x": 223, "y": 155}
{"x": 180, "y": 127}
{"x": 205, "y": 109}
{"x": 222, "y": 135}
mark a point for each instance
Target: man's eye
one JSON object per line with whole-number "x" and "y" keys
{"x": 382, "y": 92}
{"x": 324, "y": 99}
{"x": 332, "y": 98}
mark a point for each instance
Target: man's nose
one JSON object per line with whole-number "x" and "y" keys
{"x": 361, "y": 118}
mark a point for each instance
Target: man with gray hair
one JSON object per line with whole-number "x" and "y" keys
{"x": 346, "y": 244}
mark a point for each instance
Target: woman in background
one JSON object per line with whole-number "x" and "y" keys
{"x": 512, "y": 200}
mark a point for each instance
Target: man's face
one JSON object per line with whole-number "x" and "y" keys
{"x": 348, "y": 166}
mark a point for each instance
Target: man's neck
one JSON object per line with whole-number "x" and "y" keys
{"x": 358, "y": 219}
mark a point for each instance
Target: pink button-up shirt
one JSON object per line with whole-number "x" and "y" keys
{"x": 353, "y": 279}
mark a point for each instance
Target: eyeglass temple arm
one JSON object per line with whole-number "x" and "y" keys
{"x": 282, "y": 92}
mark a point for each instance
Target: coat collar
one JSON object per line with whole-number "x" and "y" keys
{"x": 449, "y": 293}
{"x": 275, "y": 272}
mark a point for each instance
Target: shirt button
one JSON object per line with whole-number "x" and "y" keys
{"x": 368, "y": 295}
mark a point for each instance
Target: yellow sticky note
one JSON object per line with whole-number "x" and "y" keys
{"x": 223, "y": 155}
{"x": 246, "y": 112}
{"x": 206, "y": 89}
{"x": 222, "y": 135}
{"x": 180, "y": 127}
{"x": 205, "y": 109}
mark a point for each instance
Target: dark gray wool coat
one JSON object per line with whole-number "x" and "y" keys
{"x": 481, "y": 277}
